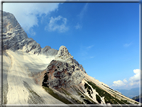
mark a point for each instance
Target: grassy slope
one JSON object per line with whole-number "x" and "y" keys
{"x": 108, "y": 98}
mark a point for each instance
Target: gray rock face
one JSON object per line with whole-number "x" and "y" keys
{"x": 14, "y": 37}
{"x": 62, "y": 74}
{"x": 32, "y": 46}
{"x": 12, "y": 34}
{"x": 81, "y": 67}
{"x": 63, "y": 53}
{"x": 52, "y": 52}
{"x": 45, "y": 49}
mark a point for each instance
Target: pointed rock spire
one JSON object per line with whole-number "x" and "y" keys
{"x": 63, "y": 53}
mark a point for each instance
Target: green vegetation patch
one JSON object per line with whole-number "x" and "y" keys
{"x": 125, "y": 101}
{"x": 87, "y": 100}
{"x": 89, "y": 90}
{"x": 136, "y": 103}
{"x": 65, "y": 92}
{"x": 57, "y": 96}
{"x": 5, "y": 90}
{"x": 98, "y": 98}
{"x": 34, "y": 98}
{"x": 108, "y": 98}
{"x": 99, "y": 90}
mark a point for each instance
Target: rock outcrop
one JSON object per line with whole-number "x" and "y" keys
{"x": 64, "y": 53}
{"x": 45, "y": 49}
{"x": 52, "y": 52}
{"x": 62, "y": 74}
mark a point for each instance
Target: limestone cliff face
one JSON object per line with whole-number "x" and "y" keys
{"x": 13, "y": 35}
{"x": 15, "y": 38}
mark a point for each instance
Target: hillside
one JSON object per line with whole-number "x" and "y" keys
{"x": 138, "y": 98}
{"x": 35, "y": 75}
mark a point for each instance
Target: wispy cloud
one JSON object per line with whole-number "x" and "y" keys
{"x": 91, "y": 57}
{"x": 80, "y": 16}
{"x": 26, "y": 13}
{"x": 85, "y": 52}
{"x": 127, "y": 45}
{"x": 83, "y": 11}
{"x": 91, "y": 46}
{"x": 133, "y": 81}
{"x": 78, "y": 26}
{"x": 54, "y": 25}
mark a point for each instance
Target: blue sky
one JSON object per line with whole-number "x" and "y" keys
{"x": 103, "y": 37}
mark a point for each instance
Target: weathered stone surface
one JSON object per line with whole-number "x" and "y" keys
{"x": 52, "y": 52}
{"x": 12, "y": 34}
{"x": 45, "y": 49}
{"x": 33, "y": 47}
{"x": 81, "y": 67}
{"x": 62, "y": 74}
{"x": 63, "y": 53}
{"x": 14, "y": 38}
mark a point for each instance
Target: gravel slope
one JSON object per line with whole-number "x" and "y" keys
{"x": 21, "y": 87}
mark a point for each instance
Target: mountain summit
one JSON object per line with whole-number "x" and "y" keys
{"x": 35, "y": 75}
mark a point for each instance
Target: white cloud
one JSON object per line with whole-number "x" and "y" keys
{"x": 54, "y": 24}
{"x": 26, "y": 13}
{"x": 118, "y": 83}
{"x": 124, "y": 80}
{"x": 127, "y": 45}
{"x": 78, "y": 26}
{"x": 133, "y": 81}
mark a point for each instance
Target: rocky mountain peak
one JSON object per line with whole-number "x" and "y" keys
{"x": 12, "y": 33}
{"x": 15, "y": 38}
{"x": 63, "y": 53}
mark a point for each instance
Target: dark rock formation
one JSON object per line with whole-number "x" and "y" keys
{"x": 62, "y": 74}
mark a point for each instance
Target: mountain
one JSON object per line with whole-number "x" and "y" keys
{"x": 129, "y": 93}
{"x": 35, "y": 75}
{"x": 138, "y": 98}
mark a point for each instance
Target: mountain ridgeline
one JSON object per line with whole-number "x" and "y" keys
{"x": 36, "y": 75}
